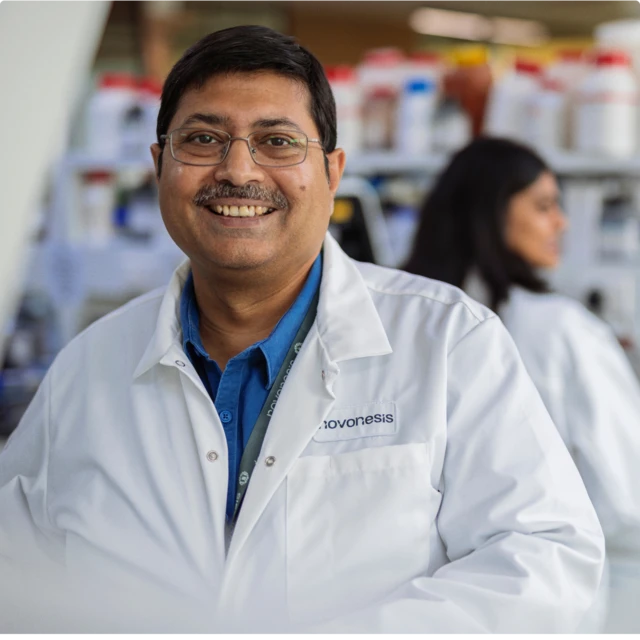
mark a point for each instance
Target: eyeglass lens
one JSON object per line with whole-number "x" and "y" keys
{"x": 209, "y": 147}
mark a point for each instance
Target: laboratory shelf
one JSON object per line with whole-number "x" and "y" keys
{"x": 564, "y": 164}
{"x": 83, "y": 162}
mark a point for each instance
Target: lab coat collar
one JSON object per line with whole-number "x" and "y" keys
{"x": 168, "y": 328}
{"x": 348, "y": 323}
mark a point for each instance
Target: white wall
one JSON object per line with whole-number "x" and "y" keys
{"x": 46, "y": 52}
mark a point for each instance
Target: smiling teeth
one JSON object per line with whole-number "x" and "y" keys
{"x": 240, "y": 212}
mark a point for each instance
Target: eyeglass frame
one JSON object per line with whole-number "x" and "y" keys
{"x": 168, "y": 136}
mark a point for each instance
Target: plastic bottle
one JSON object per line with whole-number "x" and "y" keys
{"x": 381, "y": 76}
{"x": 344, "y": 84}
{"x": 452, "y": 127}
{"x": 506, "y": 105}
{"x": 569, "y": 68}
{"x": 568, "y": 71}
{"x": 106, "y": 115}
{"x": 606, "y": 122}
{"x": 545, "y": 122}
{"x": 625, "y": 35}
{"x": 149, "y": 92}
{"x": 415, "y": 115}
{"x": 469, "y": 82}
{"x": 98, "y": 200}
{"x": 423, "y": 65}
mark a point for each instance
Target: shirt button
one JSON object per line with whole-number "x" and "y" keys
{"x": 270, "y": 461}
{"x": 212, "y": 456}
{"x": 226, "y": 416}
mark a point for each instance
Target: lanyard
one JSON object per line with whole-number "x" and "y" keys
{"x": 252, "y": 450}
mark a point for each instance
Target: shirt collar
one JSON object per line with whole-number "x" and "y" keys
{"x": 275, "y": 347}
{"x": 190, "y": 320}
{"x": 347, "y": 322}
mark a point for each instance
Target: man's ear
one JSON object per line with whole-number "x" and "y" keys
{"x": 336, "y": 161}
{"x": 156, "y": 154}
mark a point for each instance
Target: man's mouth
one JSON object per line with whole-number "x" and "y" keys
{"x": 239, "y": 211}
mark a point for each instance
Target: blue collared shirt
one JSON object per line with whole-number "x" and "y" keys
{"x": 240, "y": 391}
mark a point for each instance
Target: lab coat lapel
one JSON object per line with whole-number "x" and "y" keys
{"x": 305, "y": 400}
{"x": 347, "y": 326}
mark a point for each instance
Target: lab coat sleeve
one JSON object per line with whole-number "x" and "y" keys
{"x": 26, "y": 535}
{"x": 602, "y": 407}
{"x": 524, "y": 544}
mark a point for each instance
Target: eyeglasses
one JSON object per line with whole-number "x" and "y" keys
{"x": 209, "y": 147}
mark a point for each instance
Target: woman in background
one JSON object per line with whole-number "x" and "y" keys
{"x": 489, "y": 224}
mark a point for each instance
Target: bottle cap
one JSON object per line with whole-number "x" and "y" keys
{"x": 470, "y": 56}
{"x": 340, "y": 73}
{"x": 150, "y": 86}
{"x": 419, "y": 85}
{"x": 97, "y": 176}
{"x": 612, "y": 57}
{"x": 528, "y": 66}
{"x": 116, "y": 80}
{"x": 383, "y": 57}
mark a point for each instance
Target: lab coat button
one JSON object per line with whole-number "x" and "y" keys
{"x": 212, "y": 456}
{"x": 270, "y": 461}
{"x": 180, "y": 363}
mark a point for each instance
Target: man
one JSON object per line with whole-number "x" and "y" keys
{"x": 289, "y": 438}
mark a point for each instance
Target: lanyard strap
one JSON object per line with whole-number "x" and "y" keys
{"x": 252, "y": 450}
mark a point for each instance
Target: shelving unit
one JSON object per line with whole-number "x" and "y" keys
{"x": 564, "y": 164}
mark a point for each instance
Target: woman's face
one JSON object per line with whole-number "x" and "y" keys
{"x": 535, "y": 223}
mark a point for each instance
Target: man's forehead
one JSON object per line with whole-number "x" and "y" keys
{"x": 281, "y": 98}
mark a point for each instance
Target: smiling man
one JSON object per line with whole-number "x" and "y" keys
{"x": 284, "y": 438}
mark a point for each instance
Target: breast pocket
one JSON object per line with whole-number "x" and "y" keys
{"x": 358, "y": 526}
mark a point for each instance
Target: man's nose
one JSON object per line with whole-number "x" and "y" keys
{"x": 238, "y": 167}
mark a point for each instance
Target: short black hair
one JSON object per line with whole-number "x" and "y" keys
{"x": 462, "y": 220}
{"x": 250, "y": 49}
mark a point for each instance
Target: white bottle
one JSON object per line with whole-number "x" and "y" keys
{"x": 505, "y": 115}
{"x": 569, "y": 70}
{"x": 606, "y": 122}
{"x": 423, "y": 65}
{"x": 346, "y": 92}
{"x": 149, "y": 93}
{"x": 415, "y": 115}
{"x": 98, "y": 202}
{"x": 452, "y": 128}
{"x": 106, "y": 115}
{"x": 545, "y": 123}
{"x": 381, "y": 76}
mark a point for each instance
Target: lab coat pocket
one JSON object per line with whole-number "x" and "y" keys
{"x": 358, "y": 526}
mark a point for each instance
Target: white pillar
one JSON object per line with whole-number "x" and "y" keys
{"x": 46, "y": 52}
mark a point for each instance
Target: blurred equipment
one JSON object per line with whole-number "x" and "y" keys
{"x": 358, "y": 223}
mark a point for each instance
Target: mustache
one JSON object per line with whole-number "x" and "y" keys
{"x": 273, "y": 197}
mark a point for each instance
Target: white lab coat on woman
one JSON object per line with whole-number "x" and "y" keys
{"x": 410, "y": 480}
{"x": 593, "y": 396}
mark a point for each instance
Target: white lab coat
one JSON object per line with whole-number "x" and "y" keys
{"x": 418, "y": 483}
{"x": 593, "y": 396}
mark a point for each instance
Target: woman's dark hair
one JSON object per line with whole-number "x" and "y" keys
{"x": 462, "y": 220}
{"x": 248, "y": 49}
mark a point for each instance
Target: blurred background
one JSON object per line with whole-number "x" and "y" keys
{"x": 413, "y": 82}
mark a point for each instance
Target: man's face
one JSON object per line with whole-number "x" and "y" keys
{"x": 301, "y": 195}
